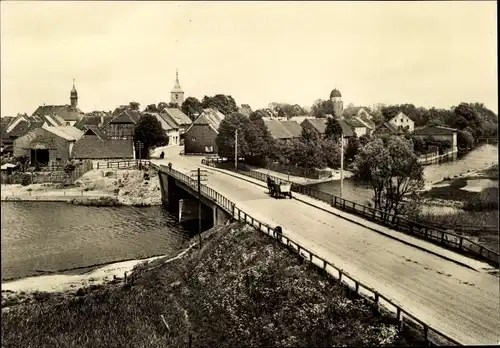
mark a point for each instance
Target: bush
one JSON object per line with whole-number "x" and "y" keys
{"x": 26, "y": 180}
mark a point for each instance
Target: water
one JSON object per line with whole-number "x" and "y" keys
{"x": 55, "y": 236}
{"x": 478, "y": 159}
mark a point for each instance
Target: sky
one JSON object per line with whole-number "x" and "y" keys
{"x": 426, "y": 53}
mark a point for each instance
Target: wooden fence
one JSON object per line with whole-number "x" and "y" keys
{"x": 380, "y": 302}
{"x": 437, "y": 236}
{"x": 125, "y": 164}
{"x": 51, "y": 176}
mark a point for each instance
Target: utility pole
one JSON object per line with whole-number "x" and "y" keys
{"x": 235, "y": 150}
{"x": 199, "y": 178}
{"x": 140, "y": 146}
{"x": 341, "y": 163}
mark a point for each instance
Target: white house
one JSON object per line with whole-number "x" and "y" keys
{"x": 402, "y": 122}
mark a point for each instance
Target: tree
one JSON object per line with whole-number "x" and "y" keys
{"x": 465, "y": 140}
{"x": 134, "y": 106}
{"x": 352, "y": 148}
{"x": 331, "y": 153}
{"x": 151, "y": 108}
{"x": 225, "y": 140}
{"x": 162, "y": 106}
{"x": 308, "y": 155}
{"x": 22, "y": 161}
{"x": 150, "y": 133}
{"x": 224, "y": 103}
{"x": 261, "y": 143}
{"x": 333, "y": 129}
{"x": 392, "y": 170}
{"x": 308, "y": 134}
{"x": 191, "y": 106}
{"x": 321, "y": 108}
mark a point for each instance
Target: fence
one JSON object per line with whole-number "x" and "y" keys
{"x": 435, "y": 235}
{"x": 125, "y": 164}
{"x": 343, "y": 277}
{"x": 49, "y": 176}
{"x": 436, "y": 158}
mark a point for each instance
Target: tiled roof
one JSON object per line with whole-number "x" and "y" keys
{"x": 169, "y": 120}
{"x": 349, "y": 112}
{"x": 164, "y": 124}
{"x": 354, "y": 122}
{"x": 180, "y": 118}
{"x": 211, "y": 117}
{"x": 23, "y": 127}
{"x": 126, "y": 116}
{"x": 90, "y": 130}
{"x": 318, "y": 123}
{"x": 283, "y": 129}
{"x": 346, "y": 129}
{"x": 393, "y": 129}
{"x": 434, "y": 131}
{"x": 69, "y": 133}
{"x": 91, "y": 147}
{"x": 293, "y": 127}
{"x": 65, "y": 111}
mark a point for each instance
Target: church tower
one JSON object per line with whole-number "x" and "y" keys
{"x": 338, "y": 104}
{"x": 177, "y": 94}
{"x": 74, "y": 96}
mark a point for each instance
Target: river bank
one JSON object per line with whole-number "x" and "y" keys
{"x": 262, "y": 295}
{"x": 98, "y": 187}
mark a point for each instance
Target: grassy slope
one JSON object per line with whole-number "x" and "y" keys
{"x": 242, "y": 289}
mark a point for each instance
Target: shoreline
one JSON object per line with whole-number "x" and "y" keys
{"x": 80, "y": 277}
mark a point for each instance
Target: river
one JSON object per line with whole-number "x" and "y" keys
{"x": 478, "y": 159}
{"x": 41, "y": 236}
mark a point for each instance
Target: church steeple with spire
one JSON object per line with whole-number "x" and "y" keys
{"x": 74, "y": 96}
{"x": 177, "y": 94}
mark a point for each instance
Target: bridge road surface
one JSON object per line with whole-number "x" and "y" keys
{"x": 460, "y": 302}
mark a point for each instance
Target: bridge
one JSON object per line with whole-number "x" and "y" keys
{"x": 449, "y": 294}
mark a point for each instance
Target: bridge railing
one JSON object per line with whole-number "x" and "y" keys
{"x": 432, "y": 234}
{"x": 126, "y": 164}
{"x": 381, "y": 303}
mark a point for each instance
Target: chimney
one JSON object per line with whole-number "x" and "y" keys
{"x": 102, "y": 119}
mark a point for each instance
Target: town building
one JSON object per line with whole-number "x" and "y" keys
{"x": 46, "y": 144}
{"x": 177, "y": 94}
{"x": 402, "y": 122}
{"x": 94, "y": 145}
{"x": 438, "y": 133}
{"x": 70, "y": 114}
{"x": 176, "y": 117}
{"x": 122, "y": 125}
{"x": 359, "y": 115}
{"x": 283, "y": 131}
{"x": 170, "y": 129}
{"x": 201, "y": 134}
{"x": 94, "y": 118}
{"x": 318, "y": 125}
{"x": 338, "y": 104}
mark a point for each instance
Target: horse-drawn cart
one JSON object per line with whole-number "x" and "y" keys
{"x": 279, "y": 190}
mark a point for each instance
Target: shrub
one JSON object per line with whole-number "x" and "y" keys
{"x": 26, "y": 180}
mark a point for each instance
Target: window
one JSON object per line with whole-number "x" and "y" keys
{"x": 209, "y": 149}
{"x": 193, "y": 139}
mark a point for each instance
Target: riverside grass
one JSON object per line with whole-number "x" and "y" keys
{"x": 241, "y": 288}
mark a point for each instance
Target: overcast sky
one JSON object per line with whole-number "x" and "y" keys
{"x": 425, "y": 53}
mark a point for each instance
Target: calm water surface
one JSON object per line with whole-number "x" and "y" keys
{"x": 478, "y": 159}
{"x": 55, "y": 236}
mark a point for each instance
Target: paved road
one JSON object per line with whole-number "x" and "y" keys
{"x": 458, "y": 301}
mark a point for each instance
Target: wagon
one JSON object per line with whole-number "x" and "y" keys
{"x": 279, "y": 190}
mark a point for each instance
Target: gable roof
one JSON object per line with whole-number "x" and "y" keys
{"x": 437, "y": 130}
{"x": 22, "y": 127}
{"x": 319, "y": 124}
{"x": 392, "y": 128}
{"x": 355, "y": 122}
{"x": 177, "y": 116}
{"x": 164, "y": 124}
{"x": 67, "y": 112}
{"x": 283, "y": 129}
{"x": 346, "y": 129}
{"x": 399, "y": 114}
{"x": 92, "y": 147}
{"x": 126, "y": 116}
{"x": 90, "y": 130}
{"x": 69, "y": 133}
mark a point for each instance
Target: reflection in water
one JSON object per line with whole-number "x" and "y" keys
{"x": 54, "y": 236}
{"x": 478, "y": 159}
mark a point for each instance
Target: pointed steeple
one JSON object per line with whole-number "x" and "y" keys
{"x": 74, "y": 96}
{"x": 177, "y": 84}
{"x": 177, "y": 94}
